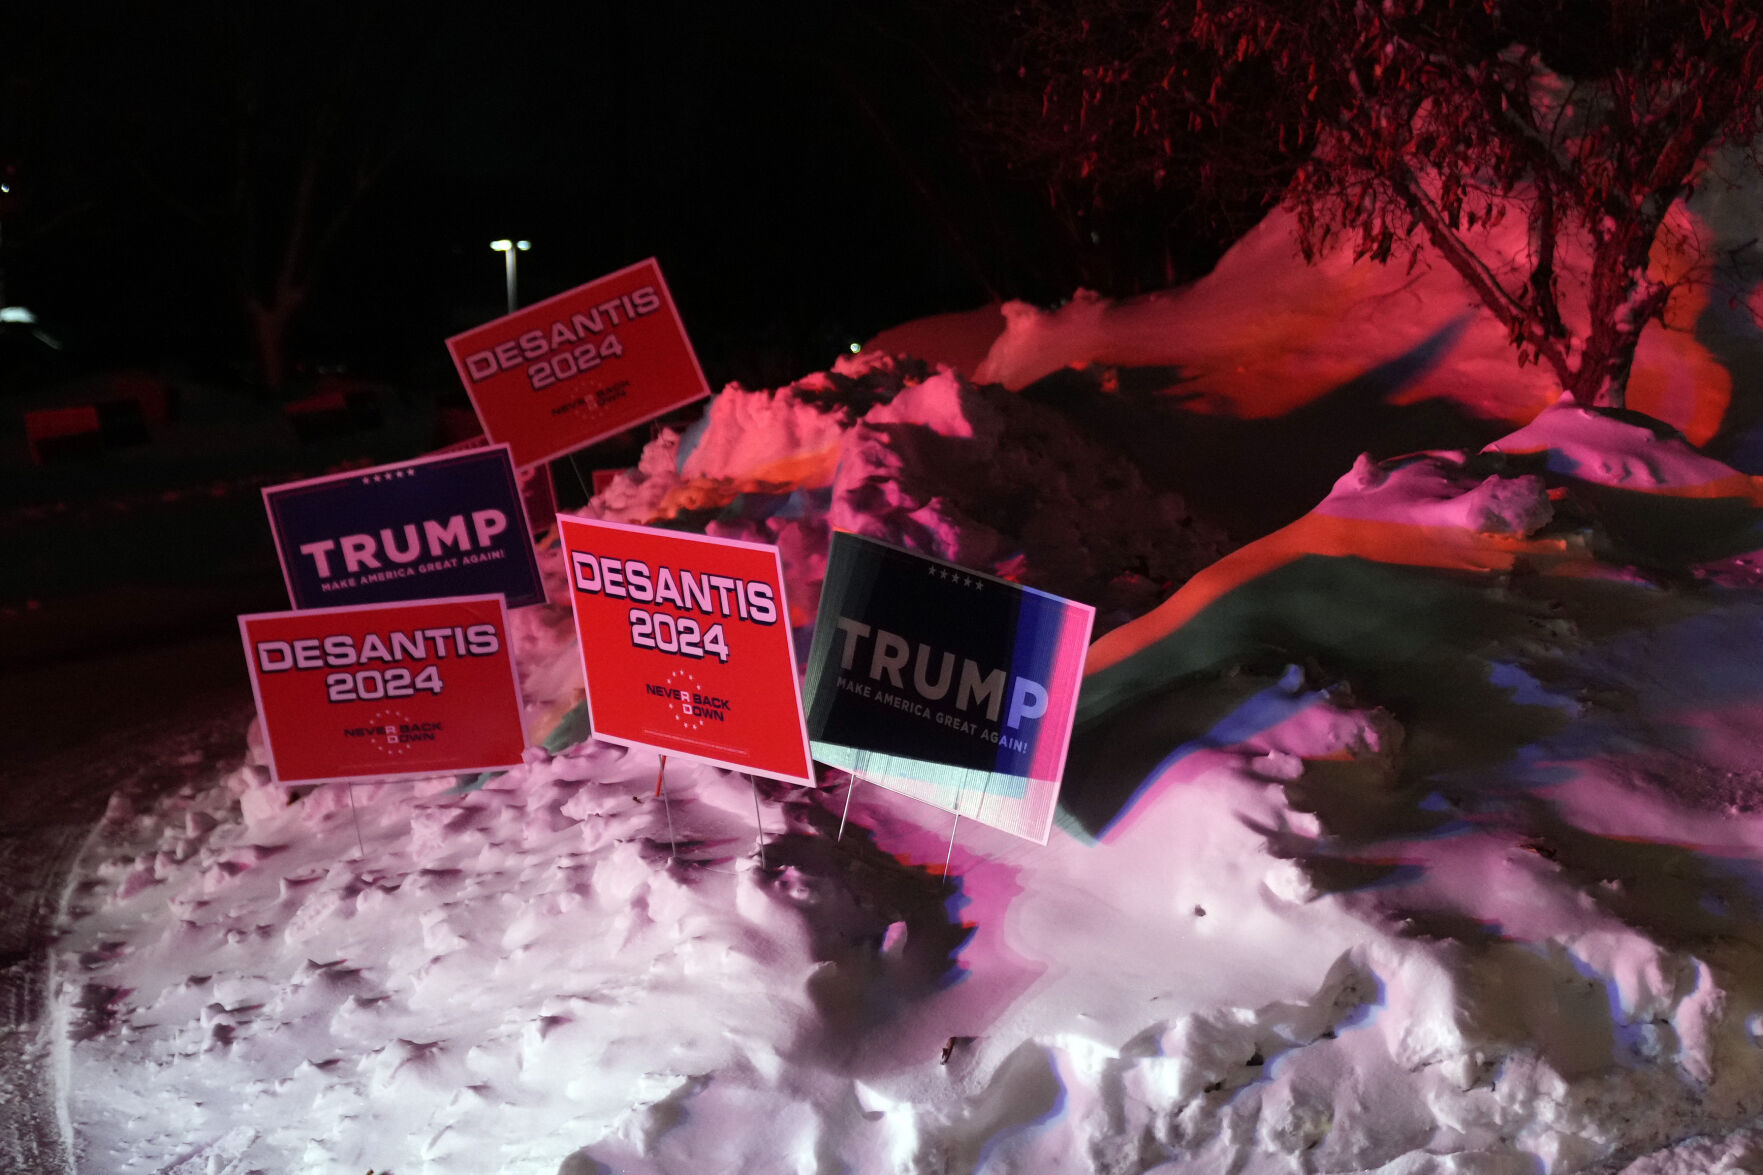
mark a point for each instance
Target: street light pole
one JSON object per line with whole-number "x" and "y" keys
{"x": 508, "y": 249}
{"x": 5, "y": 190}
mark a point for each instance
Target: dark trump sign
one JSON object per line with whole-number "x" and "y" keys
{"x": 437, "y": 527}
{"x": 945, "y": 684}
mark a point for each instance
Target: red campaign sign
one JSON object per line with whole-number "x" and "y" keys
{"x": 568, "y": 371}
{"x": 686, "y": 646}
{"x": 386, "y": 691}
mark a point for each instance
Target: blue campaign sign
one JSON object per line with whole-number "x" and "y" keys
{"x": 945, "y": 684}
{"x": 432, "y": 528}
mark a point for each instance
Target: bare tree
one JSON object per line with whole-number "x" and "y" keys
{"x": 1416, "y": 123}
{"x": 280, "y": 123}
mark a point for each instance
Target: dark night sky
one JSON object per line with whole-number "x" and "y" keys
{"x": 775, "y": 159}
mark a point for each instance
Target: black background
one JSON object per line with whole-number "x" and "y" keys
{"x": 768, "y": 156}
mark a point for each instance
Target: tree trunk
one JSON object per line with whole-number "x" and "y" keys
{"x": 1621, "y": 299}
{"x": 1604, "y": 366}
{"x": 269, "y": 332}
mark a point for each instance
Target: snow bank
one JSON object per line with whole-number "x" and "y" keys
{"x": 1383, "y": 878}
{"x": 1421, "y": 837}
{"x": 1265, "y": 334}
{"x": 923, "y": 458}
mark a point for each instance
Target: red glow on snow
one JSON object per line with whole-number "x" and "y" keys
{"x": 1403, "y": 544}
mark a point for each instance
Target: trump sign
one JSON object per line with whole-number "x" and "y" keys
{"x": 432, "y": 528}
{"x": 945, "y": 684}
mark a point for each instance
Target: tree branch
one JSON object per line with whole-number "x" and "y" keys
{"x": 1542, "y": 272}
{"x": 1510, "y": 312}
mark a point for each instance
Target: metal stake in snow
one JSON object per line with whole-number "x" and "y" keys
{"x": 758, "y": 840}
{"x": 672, "y": 843}
{"x": 849, "y": 789}
{"x": 575, "y": 466}
{"x": 357, "y": 818}
{"x": 979, "y": 807}
{"x": 950, "y": 855}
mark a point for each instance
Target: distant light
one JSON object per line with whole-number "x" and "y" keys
{"x": 502, "y": 246}
{"x": 16, "y": 314}
{"x": 856, "y": 347}
{"x": 523, "y": 246}
{"x": 5, "y": 188}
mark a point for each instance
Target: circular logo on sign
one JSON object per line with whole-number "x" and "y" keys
{"x": 685, "y": 712}
{"x": 386, "y": 725}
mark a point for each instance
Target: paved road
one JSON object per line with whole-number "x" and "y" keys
{"x": 72, "y": 732}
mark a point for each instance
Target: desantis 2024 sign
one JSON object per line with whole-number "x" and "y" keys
{"x": 386, "y": 690}
{"x": 565, "y": 372}
{"x": 685, "y": 644}
{"x": 942, "y": 683}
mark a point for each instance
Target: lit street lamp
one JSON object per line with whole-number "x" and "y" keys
{"x": 508, "y": 249}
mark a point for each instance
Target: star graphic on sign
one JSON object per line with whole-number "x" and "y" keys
{"x": 684, "y": 712}
{"x": 384, "y": 725}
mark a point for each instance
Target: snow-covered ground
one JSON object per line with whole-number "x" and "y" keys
{"x": 1422, "y": 836}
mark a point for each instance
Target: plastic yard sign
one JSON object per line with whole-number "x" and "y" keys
{"x": 945, "y": 684}
{"x": 538, "y": 494}
{"x": 433, "y": 528}
{"x": 685, "y": 644}
{"x": 386, "y": 691}
{"x": 573, "y": 369}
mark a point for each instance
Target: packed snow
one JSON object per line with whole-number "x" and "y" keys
{"x": 1421, "y": 836}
